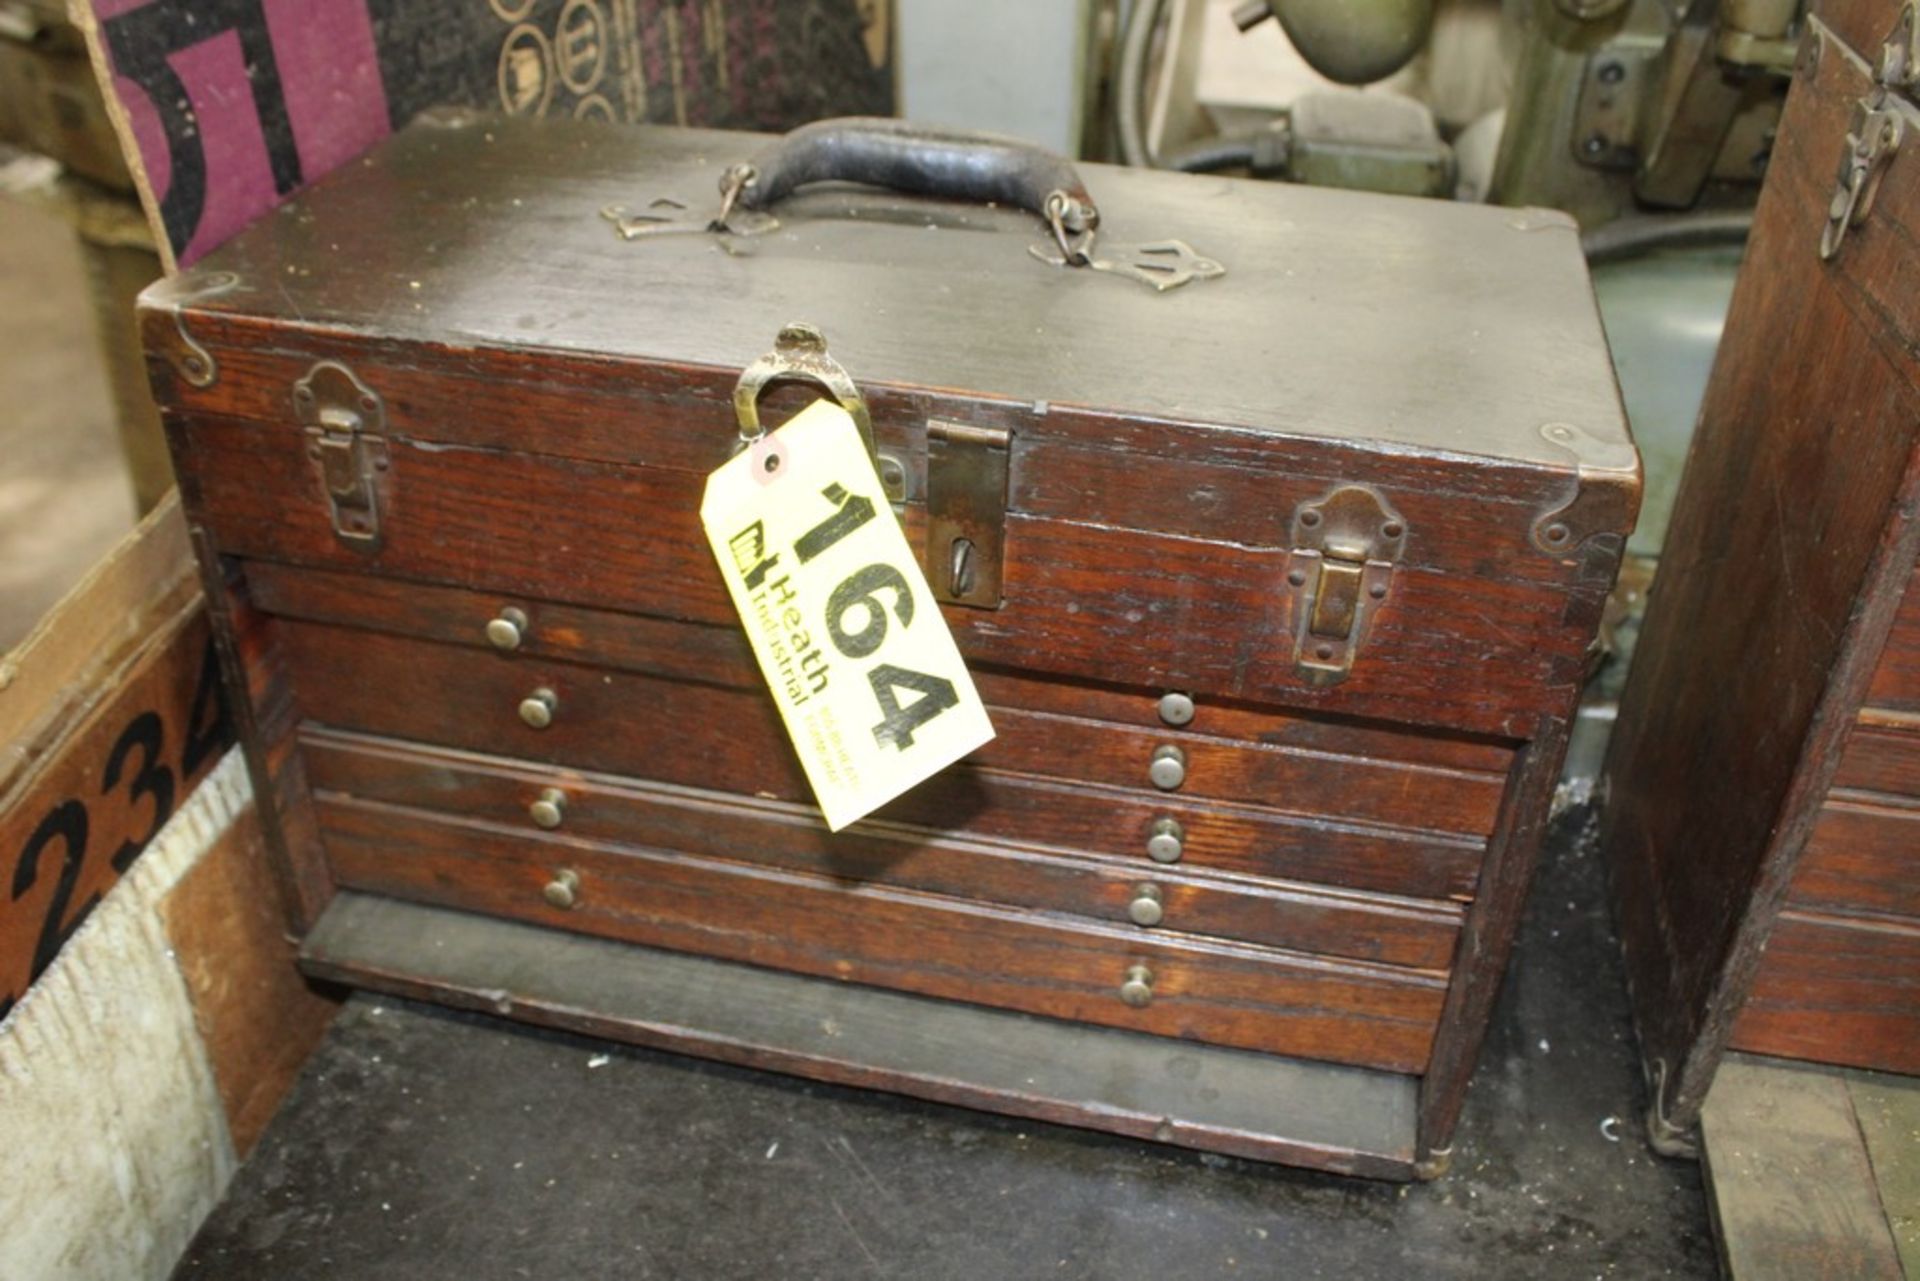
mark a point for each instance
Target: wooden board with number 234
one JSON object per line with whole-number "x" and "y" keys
{"x": 869, "y": 683}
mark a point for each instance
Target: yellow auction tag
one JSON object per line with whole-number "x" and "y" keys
{"x": 873, "y": 690}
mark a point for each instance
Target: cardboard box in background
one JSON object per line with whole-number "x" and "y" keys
{"x": 233, "y": 105}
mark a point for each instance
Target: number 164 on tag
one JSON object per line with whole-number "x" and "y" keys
{"x": 859, "y": 661}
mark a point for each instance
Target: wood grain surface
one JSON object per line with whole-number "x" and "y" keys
{"x": 1236, "y": 995}
{"x": 1836, "y": 990}
{"x": 625, "y": 723}
{"x": 1794, "y": 1195}
{"x": 1790, "y": 546}
{"x": 710, "y": 824}
{"x": 1863, "y": 856}
{"x": 1141, "y": 608}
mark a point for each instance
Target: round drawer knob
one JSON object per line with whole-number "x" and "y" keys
{"x": 537, "y": 708}
{"x": 1137, "y": 990}
{"x": 1176, "y": 708}
{"x": 563, "y": 891}
{"x": 1168, "y": 768}
{"x": 1147, "y": 907}
{"x": 507, "y": 629}
{"x": 549, "y": 809}
{"x": 1166, "y": 840}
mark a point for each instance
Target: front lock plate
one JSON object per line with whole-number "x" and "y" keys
{"x": 1345, "y": 546}
{"x": 967, "y": 471}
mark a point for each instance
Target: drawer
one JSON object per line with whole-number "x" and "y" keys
{"x": 1896, "y": 676}
{"x": 1232, "y": 995}
{"x": 1882, "y": 755}
{"x": 1395, "y": 931}
{"x": 729, "y": 740}
{"x": 1836, "y": 991}
{"x": 718, "y": 655}
{"x": 1861, "y": 857}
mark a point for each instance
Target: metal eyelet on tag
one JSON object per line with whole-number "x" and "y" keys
{"x": 769, "y": 459}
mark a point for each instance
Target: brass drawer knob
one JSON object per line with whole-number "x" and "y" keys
{"x": 1137, "y": 990}
{"x": 537, "y": 708}
{"x": 563, "y": 891}
{"x": 1176, "y": 708}
{"x": 1147, "y": 907}
{"x": 1166, "y": 840}
{"x": 1168, "y": 768}
{"x": 548, "y": 809}
{"x": 507, "y": 629}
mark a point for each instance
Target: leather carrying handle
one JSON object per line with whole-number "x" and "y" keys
{"x": 900, "y": 156}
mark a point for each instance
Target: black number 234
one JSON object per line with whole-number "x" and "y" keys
{"x": 137, "y": 762}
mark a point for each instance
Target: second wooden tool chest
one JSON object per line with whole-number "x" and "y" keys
{"x": 1762, "y": 813}
{"x": 1275, "y": 524}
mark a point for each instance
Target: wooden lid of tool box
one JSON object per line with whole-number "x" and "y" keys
{"x": 1449, "y": 357}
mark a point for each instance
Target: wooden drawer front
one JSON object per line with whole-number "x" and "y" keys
{"x": 1483, "y": 655}
{"x": 1251, "y": 998}
{"x": 1896, "y": 677}
{"x": 1881, "y": 756}
{"x": 730, "y": 740}
{"x": 718, "y": 655}
{"x": 1862, "y": 857}
{"x": 1836, "y": 991}
{"x": 788, "y": 835}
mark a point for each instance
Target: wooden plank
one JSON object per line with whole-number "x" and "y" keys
{"x": 63, "y": 666}
{"x": 76, "y": 823}
{"x": 1792, "y": 1188}
{"x": 257, "y": 1019}
{"x": 1342, "y": 1119}
{"x": 1888, "y": 1111}
{"x": 1487, "y": 938}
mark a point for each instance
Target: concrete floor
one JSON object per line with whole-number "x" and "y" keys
{"x": 64, "y": 493}
{"x": 421, "y": 1144}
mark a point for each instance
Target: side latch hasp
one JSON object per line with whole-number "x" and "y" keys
{"x": 967, "y": 476}
{"x": 346, "y": 426}
{"x": 1345, "y": 546}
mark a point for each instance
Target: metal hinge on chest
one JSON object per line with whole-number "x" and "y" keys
{"x": 1875, "y": 130}
{"x": 346, "y": 427}
{"x": 1344, "y": 549}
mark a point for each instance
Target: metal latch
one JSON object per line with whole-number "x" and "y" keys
{"x": 346, "y": 438}
{"x": 967, "y": 470}
{"x": 1874, "y": 133}
{"x": 1344, "y": 549}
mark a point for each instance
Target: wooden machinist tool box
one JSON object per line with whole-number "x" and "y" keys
{"x": 1275, "y": 525}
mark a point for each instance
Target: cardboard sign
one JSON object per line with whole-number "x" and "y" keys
{"x": 873, "y": 691}
{"x": 233, "y": 105}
